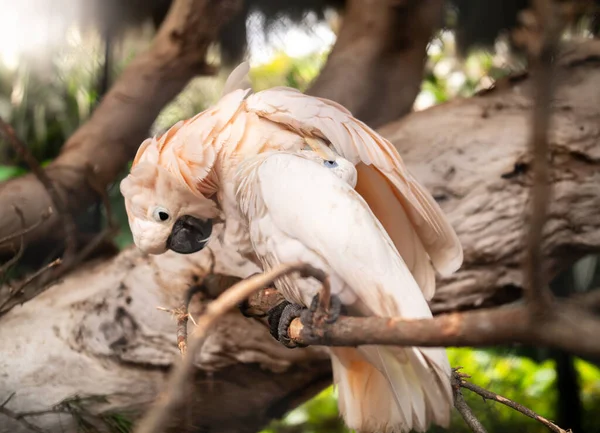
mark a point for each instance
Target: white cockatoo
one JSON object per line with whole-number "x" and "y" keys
{"x": 301, "y": 207}
{"x": 201, "y": 160}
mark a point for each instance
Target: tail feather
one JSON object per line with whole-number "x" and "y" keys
{"x": 391, "y": 389}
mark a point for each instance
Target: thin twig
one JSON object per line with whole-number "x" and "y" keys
{"x": 184, "y": 315}
{"x": 9, "y": 398}
{"x": 463, "y": 408}
{"x": 39, "y": 272}
{"x": 543, "y": 48}
{"x": 88, "y": 249}
{"x": 16, "y": 291}
{"x": 40, "y": 174}
{"x": 26, "y": 230}
{"x": 173, "y": 396}
{"x": 18, "y": 418}
{"x": 6, "y": 266}
{"x": 489, "y": 395}
{"x": 92, "y": 180}
{"x": 61, "y": 266}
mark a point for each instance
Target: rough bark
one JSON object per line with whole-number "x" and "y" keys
{"x": 472, "y": 154}
{"x": 100, "y": 148}
{"x": 99, "y": 333}
{"x": 101, "y": 322}
{"x": 375, "y": 68}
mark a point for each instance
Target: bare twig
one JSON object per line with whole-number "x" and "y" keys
{"x": 18, "y": 295}
{"x": 18, "y": 418}
{"x": 475, "y": 328}
{"x": 6, "y": 266}
{"x": 463, "y": 408}
{"x": 489, "y": 395}
{"x": 182, "y": 316}
{"x": 40, "y": 174}
{"x": 9, "y": 398}
{"x": 173, "y": 396}
{"x": 151, "y": 80}
{"x": 211, "y": 283}
{"x": 16, "y": 291}
{"x": 39, "y": 272}
{"x": 543, "y": 48}
{"x": 92, "y": 180}
{"x": 26, "y": 230}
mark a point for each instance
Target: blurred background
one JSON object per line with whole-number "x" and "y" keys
{"x": 58, "y": 59}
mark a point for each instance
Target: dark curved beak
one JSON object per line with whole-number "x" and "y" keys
{"x": 189, "y": 235}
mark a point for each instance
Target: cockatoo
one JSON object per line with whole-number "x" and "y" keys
{"x": 182, "y": 180}
{"x": 300, "y": 207}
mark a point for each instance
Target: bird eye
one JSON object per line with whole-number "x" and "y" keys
{"x": 160, "y": 214}
{"x": 330, "y": 164}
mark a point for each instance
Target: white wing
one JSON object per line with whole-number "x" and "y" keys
{"x": 324, "y": 214}
{"x": 358, "y": 143}
{"x": 296, "y": 206}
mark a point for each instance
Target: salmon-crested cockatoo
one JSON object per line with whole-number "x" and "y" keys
{"x": 300, "y": 207}
{"x": 255, "y": 160}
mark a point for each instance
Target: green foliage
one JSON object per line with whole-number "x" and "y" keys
{"x": 10, "y": 171}
{"x": 288, "y": 71}
{"x": 90, "y": 422}
{"x": 517, "y": 378}
{"x": 45, "y": 107}
{"x": 317, "y": 415}
{"x": 447, "y": 76}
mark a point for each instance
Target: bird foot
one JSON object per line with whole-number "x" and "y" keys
{"x": 317, "y": 315}
{"x": 280, "y": 317}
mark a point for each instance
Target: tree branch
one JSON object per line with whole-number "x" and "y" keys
{"x": 121, "y": 121}
{"x": 15, "y": 294}
{"x": 21, "y": 420}
{"x": 57, "y": 202}
{"x": 569, "y": 327}
{"x": 380, "y": 51}
{"x": 543, "y": 49}
{"x": 480, "y": 172}
{"x": 463, "y": 408}
{"x": 489, "y": 395}
{"x": 156, "y": 418}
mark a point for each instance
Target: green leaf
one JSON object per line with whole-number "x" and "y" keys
{"x": 10, "y": 172}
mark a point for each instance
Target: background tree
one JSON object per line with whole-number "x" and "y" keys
{"x": 101, "y": 97}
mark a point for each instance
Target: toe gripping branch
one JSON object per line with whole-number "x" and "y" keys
{"x": 324, "y": 309}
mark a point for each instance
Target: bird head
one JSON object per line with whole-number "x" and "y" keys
{"x": 323, "y": 155}
{"x": 165, "y": 213}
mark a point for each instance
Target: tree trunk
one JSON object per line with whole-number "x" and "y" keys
{"x": 101, "y": 147}
{"x": 472, "y": 154}
{"x": 98, "y": 331}
{"x": 375, "y": 68}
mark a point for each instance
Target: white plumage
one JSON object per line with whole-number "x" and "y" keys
{"x": 297, "y": 209}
